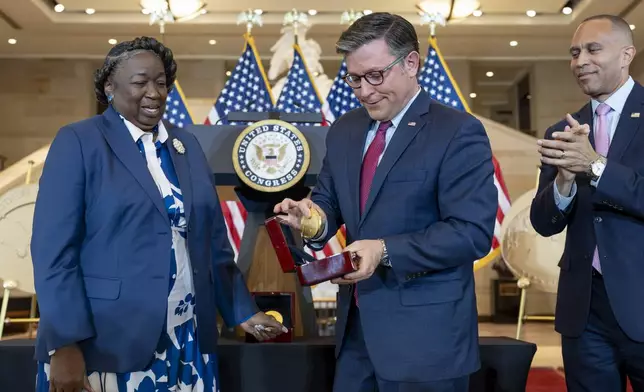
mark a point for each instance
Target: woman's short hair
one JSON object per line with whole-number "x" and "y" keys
{"x": 126, "y": 50}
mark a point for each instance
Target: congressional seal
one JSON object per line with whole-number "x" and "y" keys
{"x": 271, "y": 156}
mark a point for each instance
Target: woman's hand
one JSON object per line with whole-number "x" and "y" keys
{"x": 67, "y": 371}
{"x": 263, "y": 327}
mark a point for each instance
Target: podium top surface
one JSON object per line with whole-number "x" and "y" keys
{"x": 218, "y": 142}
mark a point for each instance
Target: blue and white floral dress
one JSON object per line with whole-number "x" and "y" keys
{"x": 178, "y": 365}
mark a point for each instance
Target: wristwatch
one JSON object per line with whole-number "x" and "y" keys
{"x": 384, "y": 260}
{"x": 597, "y": 168}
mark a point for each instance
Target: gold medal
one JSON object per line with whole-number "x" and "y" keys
{"x": 311, "y": 226}
{"x": 276, "y": 314}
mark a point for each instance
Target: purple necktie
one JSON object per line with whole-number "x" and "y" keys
{"x": 602, "y": 141}
{"x": 369, "y": 165}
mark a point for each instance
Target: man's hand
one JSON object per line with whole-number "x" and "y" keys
{"x": 570, "y": 150}
{"x": 67, "y": 371}
{"x": 263, "y": 327}
{"x": 368, "y": 254}
{"x": 296, "y": 210}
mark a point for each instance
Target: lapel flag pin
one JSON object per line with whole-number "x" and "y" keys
{"x": 411, "y": 124}
{"x": 635, "y": 115}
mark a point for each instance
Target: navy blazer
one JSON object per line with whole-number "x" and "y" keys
{"x": 434, "y": 202}
{"x": 101, "y": 247}
{"x": 610, "y": 217}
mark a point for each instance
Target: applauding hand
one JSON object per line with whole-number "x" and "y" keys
{"x": 570, "y": 150}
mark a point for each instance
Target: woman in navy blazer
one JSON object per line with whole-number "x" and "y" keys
{"x": 130, "y": 251}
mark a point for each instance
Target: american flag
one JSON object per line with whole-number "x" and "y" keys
{"x": 437, "y": 80}
{"x": 299, "y": 94}
{"x": 341, "y": 98}
{"x": 246, "y": 90}
{"x": 176, "y": 109}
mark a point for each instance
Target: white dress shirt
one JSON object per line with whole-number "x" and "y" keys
{"x": 395, "y": 122}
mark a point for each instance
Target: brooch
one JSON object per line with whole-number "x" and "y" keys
{"x": 178, "y": 146}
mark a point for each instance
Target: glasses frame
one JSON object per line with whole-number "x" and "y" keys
{"x": 381, "y": 72}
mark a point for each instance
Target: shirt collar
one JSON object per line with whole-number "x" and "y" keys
{"x": 396, "y": 120}
{"x": 137, "y": 133}
{"x": 618, "y": 99}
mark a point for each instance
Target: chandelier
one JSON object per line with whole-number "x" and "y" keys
{"x": 447, "y": 10}
{"x": 169, "y": 11}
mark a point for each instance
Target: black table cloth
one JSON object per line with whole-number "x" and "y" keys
{"x": 301, "y": 366}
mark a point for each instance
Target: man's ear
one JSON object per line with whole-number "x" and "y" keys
{"x": 628, "y": 55}
{"x": 412, "y": 64}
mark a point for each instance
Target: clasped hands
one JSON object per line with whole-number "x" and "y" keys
{"x": 367, "y": 253}
{"x": 570, "y": 151}
{"x": 263, "y": 327}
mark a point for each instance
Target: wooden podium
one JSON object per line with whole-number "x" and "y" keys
{"x": 257, "y": 259}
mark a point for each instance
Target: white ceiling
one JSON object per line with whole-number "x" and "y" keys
{"x": 42, "y": 33}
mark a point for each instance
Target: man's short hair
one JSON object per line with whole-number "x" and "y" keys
{"x": 618, "y": 23}
{"x": 399, "y": 34}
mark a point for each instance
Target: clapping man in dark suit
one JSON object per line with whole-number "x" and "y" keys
{"x": 592, "y": 182}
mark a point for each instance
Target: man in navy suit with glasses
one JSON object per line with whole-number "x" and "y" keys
{"x": 413, "y": 181}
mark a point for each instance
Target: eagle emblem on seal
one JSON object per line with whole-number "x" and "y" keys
{"x": 271, "y": 155}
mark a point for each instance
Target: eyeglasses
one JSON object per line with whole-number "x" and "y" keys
{"x": 374, "y": 78}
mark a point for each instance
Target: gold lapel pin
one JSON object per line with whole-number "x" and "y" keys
{"x": 635, "y": 115}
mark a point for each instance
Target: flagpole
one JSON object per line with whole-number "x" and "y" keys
{"x": 249, "y": 18}
{"x": 432, "y": 19}
{"x": 295, "y": 19}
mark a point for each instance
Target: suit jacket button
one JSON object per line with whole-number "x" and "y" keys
{"x": 554, "y": 220}
{"x": 598, "y": 219}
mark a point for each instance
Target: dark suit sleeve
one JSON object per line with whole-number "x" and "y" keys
{"x": 467, "y": 200}
{"x": 546, "y": 218}
{"x": 58, "y": 231}
{"x": 325, "y": 195}
{"x": 234, "y": 301}
{"x": 622, "y": 188}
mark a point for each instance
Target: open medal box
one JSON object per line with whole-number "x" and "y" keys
{"x": 280, "y": 305}
{"x": 293, "y": 258}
